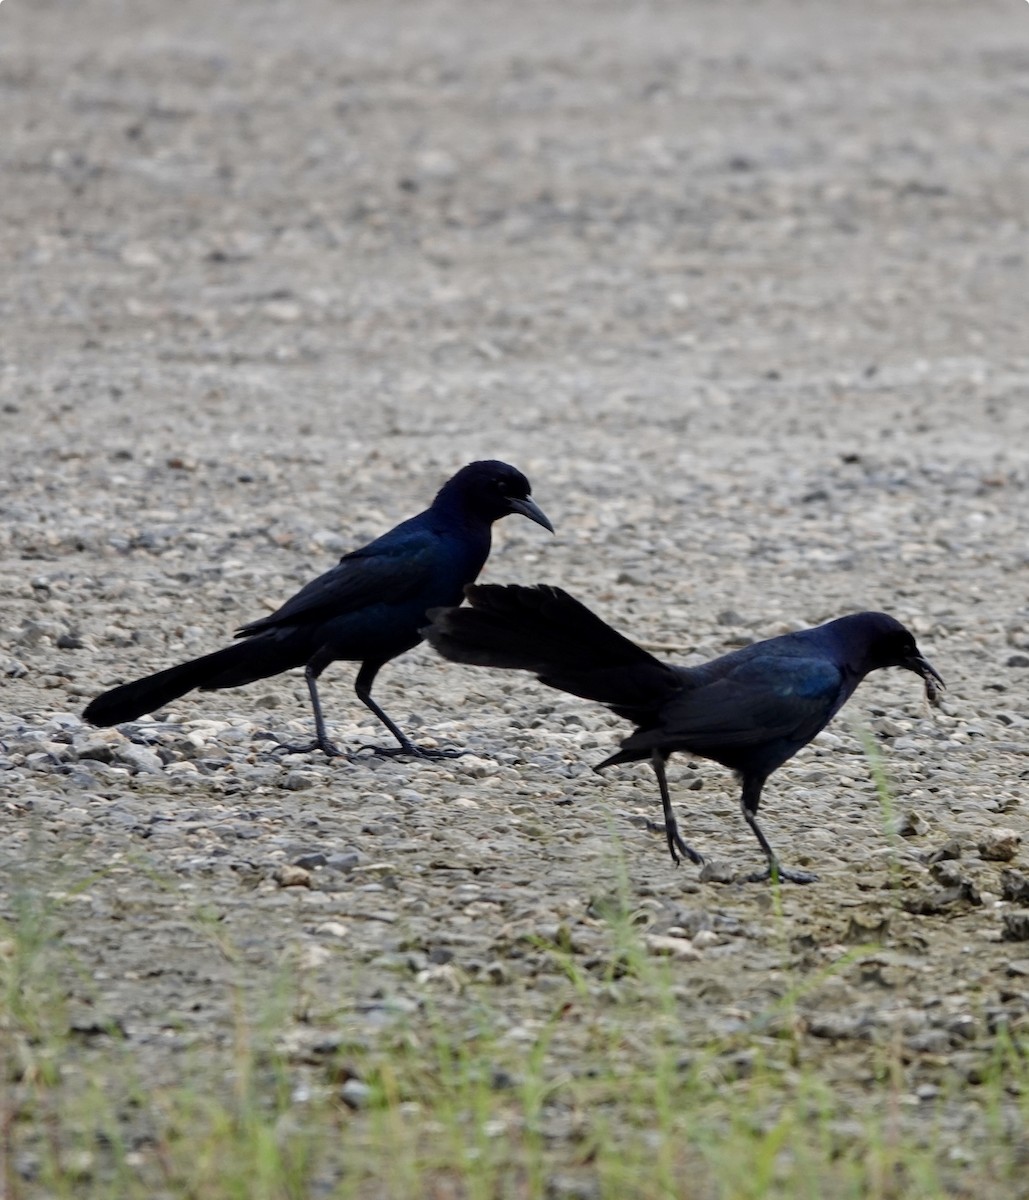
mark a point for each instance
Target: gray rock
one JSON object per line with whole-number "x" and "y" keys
{"x": 355, "y": 1094}
{"x": 291, "y": 876}
{"x": 343, "y": 862}
{"x": 714, "y": 871}
{"x": 841, "y": 1027}
{"x": 929, "y": 1041}
{"x": 310, "y": 861}
{"x": 999, "y": 845}
{"x": 949, "y": 875}
{"x": 932, "y": 903}
{"x": 949, "y": 850}
{"x": 1015, "y": 926}
{"x": 911, "y": 824}
{"x": 297, "y": 780}
{"x": 565, "y": 1186}
{"x": 98, "y": 751}
{"x": 1014, "y": 886}
{"x": 139, "y": 759}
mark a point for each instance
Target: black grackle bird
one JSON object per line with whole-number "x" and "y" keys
{"x": 368, "y": 608}
{"x": 750, "y": 710}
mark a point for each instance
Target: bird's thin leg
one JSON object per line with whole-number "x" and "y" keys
{"x": 363, "y": 688}
{"x": 314, "y": 668}
{"x": 671, "y": 827}
{"x": 749, "y": 801}
{"x": 321, "y": 737}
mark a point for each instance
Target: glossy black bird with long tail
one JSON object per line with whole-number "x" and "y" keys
{"x": 750, "y": 710}
{"x": 368, "y": 608}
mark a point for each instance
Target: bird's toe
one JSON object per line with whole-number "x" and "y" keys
{"x": 782, "y": 875}
{"x": 410, "y": 750}
{"x": 327, "y": 748}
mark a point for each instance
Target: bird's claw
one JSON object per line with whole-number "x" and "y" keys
{"x": 675, "y": 843}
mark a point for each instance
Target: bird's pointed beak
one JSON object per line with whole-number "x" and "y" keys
{"x": 527, "y": 507}
{"x": 933, "y": 679}
{"x": 922, "y": 666}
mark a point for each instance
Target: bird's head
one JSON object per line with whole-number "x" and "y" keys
{"x": 887, "y": 643}
{"x": 491, "y": 490}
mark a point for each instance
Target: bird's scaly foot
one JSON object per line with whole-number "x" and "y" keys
{"x": 781, "y": 874}
{"x": 327, "y": 748}
{"x": 410, "y": 750}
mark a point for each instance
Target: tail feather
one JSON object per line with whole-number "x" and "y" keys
{"x": 546, "y": 631}
{"x": 230, "y": 667}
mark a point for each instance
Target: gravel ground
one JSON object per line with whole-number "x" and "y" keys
{"x": 741, "y": 287}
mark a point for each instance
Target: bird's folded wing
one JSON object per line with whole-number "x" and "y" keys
{"x": 385, "y": 572}
{"x": 756, "y": 701}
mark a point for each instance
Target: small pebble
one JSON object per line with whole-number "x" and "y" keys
{"x": 999, "y": 845}
{"x": 1015, "y": 926}
{"x": 355, "y": 1094}
{"x": 290, "y": 876}
{"x": 310, "y": 861}
{"x": 1014, "y": 886}
{"x": 716, "y": 872}
{"x": 672, "y": 947}
{"x": 911, "y": 824}
{"x": 298, "y": 780}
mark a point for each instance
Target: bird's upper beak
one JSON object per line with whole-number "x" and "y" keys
{"x": 922, "y": 666}
{"x": 528, "y": 507}
{"x": 933, "y": 679}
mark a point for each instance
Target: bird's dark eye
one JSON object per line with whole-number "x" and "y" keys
{"x": 502, "y": 486}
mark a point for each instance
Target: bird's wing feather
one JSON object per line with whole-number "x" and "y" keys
{"x": 760, "y": 699}
{"x": 388, "y": 571}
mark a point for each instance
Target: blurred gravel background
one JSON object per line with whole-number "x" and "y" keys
{"x": 740, "y": 286}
